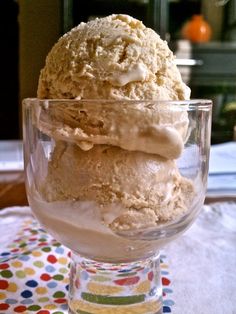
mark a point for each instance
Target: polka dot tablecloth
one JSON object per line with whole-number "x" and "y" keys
{"x": 34, "y": 268}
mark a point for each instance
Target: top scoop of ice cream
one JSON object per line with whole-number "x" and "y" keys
{"x": 115, "y": 57}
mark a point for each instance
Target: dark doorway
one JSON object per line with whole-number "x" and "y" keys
{"x": 9, "y": 59}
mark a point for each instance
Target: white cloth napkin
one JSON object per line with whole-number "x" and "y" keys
{"x": 202, "y": 263}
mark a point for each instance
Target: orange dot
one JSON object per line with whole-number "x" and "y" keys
{"x": 36, "y": 253}
{"x": 12, "y": 287}
{"x": 2, "y": 296}
{"x": 41, "y": 290}
{"x": 63, "y": 260}
{"x": 50, "y": 307}
{"x": 29, "y": 271}
{"x": 16, "y": 264}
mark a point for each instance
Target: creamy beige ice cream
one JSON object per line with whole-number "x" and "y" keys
{"x": 134, "y": 189}
{"x": 120, "y": 156}
{"x": 115, "y": 57}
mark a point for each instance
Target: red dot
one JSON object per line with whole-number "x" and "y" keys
{"x": 4, "y": 306}
{"x": 127, "y": 281}
{"x": 4, "y": 266}
{"x": 45, "y": 277}
{"x": 20, "y": 309}
{"x": 69, "y": 254}
{"x": 165, "y": 281}
{"x": 43, "y": 312}
{"x": 14, "y": 250}
{"x": 60, "y": 301}
{"x": 43, "y": 243}
{"x": 3, "y": 284}
{"x": 33, "y": 239}
{"x": 52, "y": 259}
{"x": 150, "y": 275}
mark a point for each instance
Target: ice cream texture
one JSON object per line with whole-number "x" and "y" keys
{"x": 119, "y": 155}
{"x": 115, "y": 57}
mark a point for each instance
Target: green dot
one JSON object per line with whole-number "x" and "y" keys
{"x": 27, "y": 253}
{"x": 59, "y": 294}
{"x": 43, "y": 299}
{"x": 20, "y": 274}
{"x": 6, "y": 274}
{"x": 46, "y": 249}
{"x": 23, "y": 244}
{"x": 56, "y": 244}
{"x": 63, "y": 270}
{"x": 38, "y": 264}
{"x": 57, "y": 312}
{"x": 58, "y": 277}
{"x": 34, "y": 307}
{"x": 43, "y": 240}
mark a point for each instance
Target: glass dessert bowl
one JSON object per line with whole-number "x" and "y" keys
{"x": 115, "y": 181}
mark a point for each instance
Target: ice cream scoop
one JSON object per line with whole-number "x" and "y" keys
{"x": 133, "y": 189}
{"x": 115, "y": 57}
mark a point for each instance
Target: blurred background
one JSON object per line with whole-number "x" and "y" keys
{"x": 202, "y": 34}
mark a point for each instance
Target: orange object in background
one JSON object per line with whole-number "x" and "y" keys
{"x": 197, "y": 30}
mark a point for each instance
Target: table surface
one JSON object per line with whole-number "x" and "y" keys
{"x": 13, "y": 193}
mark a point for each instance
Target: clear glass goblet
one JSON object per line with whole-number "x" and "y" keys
{"x": 115, "y": 181}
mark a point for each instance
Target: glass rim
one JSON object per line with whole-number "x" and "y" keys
{"x": 194, "y": 101}
{"x": 191, "y": 104}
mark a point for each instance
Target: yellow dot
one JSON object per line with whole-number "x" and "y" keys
{"x": 41, "y": 290}
{"x": 50, "y": 307}
{"x": 2, "y": 296}
{"x": 164, "y": 265}
{"x": 143, "y": 287}
{"x": 29, "y": 271}
{"x": 12, "y": 287}
{"x": 62, "y": 260}
{"x": 16, "y": 264}
{"x": 36, "y": 253}
{"x": 66, "y": 280}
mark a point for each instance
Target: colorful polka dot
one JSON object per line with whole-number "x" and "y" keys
{"x": 6, "y": 274}
{"x": 12, "y": 287}
{"x": 3, "y": 284}
{"x": 16, "y": 264}
{"x": 31, "y": 283}
{"x": 2, "y": 296}
{"x": 20, "y": 274}
{"x": 41, "y": 290}
{"x": 29, "y": 271}
{"x": 26, "y": 294}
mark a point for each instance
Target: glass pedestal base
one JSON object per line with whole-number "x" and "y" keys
{"x": 123, "y": 288}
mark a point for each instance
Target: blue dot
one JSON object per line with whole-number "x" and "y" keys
{"x": 168, "y": 302}
{"x": 166, "y": 309}
{"x": 59, "y": 250}
{"x": 67, "y": 287}
{"x": 27, "y": 301}
{"x": 26, "y": 294}
{"x": 50, "y": 268}
{"x": 5, "y": 253}
{"x": 84, "y": 275}
{"x": 11, "y": 301}
{"x": 24, "y": 258}
{"x": 64, "y": 306}
{"x": 52, "y": 284}
{"x": 167, "y": 290}
{"x": 31, "y": 283}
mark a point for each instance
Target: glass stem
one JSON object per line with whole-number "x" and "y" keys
{"x": 120, "y": 288}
